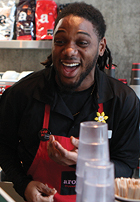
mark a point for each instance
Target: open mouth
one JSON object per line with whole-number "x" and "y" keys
{"x": 71, "y": 64}
{"x": 70, "y": 67}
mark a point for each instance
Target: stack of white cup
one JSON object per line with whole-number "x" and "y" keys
{"x": 98, "y": 185}
{"x": 93, "y": 149}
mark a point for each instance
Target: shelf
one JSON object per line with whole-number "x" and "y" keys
{"x": 23, "y": 44}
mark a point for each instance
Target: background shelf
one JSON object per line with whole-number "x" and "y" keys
{"x": 23, "y": 44}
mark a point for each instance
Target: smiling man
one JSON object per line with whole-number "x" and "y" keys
{"x": 75, "y": 51}
{"x": 41, "y": 114}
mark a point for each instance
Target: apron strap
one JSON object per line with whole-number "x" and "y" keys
{"x": 46, "y": 116}
{"x": 100, "y": 109}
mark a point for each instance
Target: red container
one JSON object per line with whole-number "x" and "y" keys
{"x": 110, "y": 72}
{"x": 4, "y": 85}
{"x": 135, "y": 74}
{"x": 123, "y": 80}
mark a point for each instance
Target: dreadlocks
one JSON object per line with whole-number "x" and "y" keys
{"x": 95, "y": 17}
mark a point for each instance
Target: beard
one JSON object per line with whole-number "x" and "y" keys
{"x": 63, "y": 87}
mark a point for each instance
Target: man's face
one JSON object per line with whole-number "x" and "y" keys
{"x": 75, "y": 50}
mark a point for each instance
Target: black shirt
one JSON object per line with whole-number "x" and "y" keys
{"x": 76, "y": 100}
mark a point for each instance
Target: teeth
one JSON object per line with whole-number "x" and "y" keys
{"x": 70, "y": 65}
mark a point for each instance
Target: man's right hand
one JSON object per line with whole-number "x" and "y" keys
{"x": 39, "y": 192}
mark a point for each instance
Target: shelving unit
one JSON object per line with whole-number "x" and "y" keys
{"x": 23, "y": 44}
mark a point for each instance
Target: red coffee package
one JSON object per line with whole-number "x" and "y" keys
{"x": 45, "y": 15}
{"x": 25, "y": 20}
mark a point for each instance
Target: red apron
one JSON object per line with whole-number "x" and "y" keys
{"x": 45, "y": 170}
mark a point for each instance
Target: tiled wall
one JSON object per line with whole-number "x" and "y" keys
{"x": 123, "y": 38}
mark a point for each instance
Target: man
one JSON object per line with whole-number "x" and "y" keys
{"x": 41, "y": 114}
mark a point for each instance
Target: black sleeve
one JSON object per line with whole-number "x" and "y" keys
{"x": 9, "y": 160}
{"x": 122, "y": 169}
{"x": 124, "y": 146}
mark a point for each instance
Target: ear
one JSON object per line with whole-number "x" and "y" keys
{"x": 102, "y": 46}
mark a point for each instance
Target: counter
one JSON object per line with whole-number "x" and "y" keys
{"x": 8, "y": 188}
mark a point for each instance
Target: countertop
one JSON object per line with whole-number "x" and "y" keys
{"x": 8, "y": 188}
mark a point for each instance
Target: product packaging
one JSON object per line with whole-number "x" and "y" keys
{"x": 7, "y": 19}
{"x": 25, "y": 20}
{"x": 45, "y": 15}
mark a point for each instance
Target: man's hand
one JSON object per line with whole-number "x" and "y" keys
{"x": 39, "y": 192}
{"x": 59, "y": 154}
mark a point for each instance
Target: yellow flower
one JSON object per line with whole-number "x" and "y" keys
{"x": 101, "y": 117}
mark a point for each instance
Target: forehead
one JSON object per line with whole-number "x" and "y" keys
{"x": 73, "y": 23}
